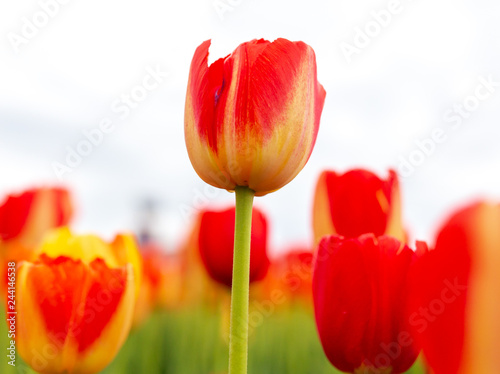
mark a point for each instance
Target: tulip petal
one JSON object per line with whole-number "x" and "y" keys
{"x": 341, "y": 318}
{"x": 14, "y": 214}
{"x": 356, "y": 203}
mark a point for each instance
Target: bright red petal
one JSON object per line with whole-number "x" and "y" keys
{"x": 359, "y": 202}
{"x": 14, "y": 213}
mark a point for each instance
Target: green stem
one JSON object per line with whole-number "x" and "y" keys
{"x": 238, "y": 333}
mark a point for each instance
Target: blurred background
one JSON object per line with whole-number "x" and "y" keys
{"x": 394, "y": 72}
{"x": 92, "y": 98}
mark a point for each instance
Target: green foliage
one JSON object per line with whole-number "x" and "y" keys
{"x": 192, "y": 342}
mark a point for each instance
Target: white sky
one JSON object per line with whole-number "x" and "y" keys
{"x": 394, "y": 92}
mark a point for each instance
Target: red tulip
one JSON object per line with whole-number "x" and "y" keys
{"x": 356, "y": 203}
{"x": 251, "y": 118}
{"x": 457, "y": 294}
{"x": 360, "y": 289}
{"x": 29, "y": 215}
{"x": 216, "y": 241}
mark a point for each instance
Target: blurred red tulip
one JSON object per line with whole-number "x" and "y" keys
{"x": 162, "y": 276}
{"x": 29, "y": 215}
{"x": 216, "y": 242}
{"x": 251, "y": 118}
{"x": 356, "y": 203}
{"x": 360, "y": 289}
{"x": 291, "y": 273}
{"x": 457, "y": 294}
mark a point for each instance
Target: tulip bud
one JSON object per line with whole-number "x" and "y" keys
{"x": 251, "y": 118}
{"x": 360, "y": 291}
{"x": 216, "y": 240}
{"x": 356, "y": 203}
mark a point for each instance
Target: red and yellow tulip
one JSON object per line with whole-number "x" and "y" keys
{"x": 251, "y": 118}
{"x": 360, "y": 293}
{"x": 457, "y": 294}
{"x": 75, "y": 303}
{"x": 356, "y": 203}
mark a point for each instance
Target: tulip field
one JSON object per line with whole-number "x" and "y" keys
{"x": 362, "y": 295}
{"x": 183, "y": 342}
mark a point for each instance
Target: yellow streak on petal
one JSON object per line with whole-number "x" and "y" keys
{"x": 322, "y": 220}
{"x": 482, "y": 337}
{"x": 125, "y": 249}
{"x": 394, "y": 223}
{"x": 382, "y": 200}
{"x": 205, "y": 162}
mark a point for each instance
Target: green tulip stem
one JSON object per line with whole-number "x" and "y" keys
{"x": 238, "y": 332}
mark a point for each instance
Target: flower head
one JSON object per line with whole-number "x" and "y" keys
{"x": 355, "y": 203}
{"x": 251, "y": 118}
{"x": 360, "y": 293}
{"x": 216, "y": 243}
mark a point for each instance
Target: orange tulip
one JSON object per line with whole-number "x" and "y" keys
{"x": 73, "y": 316}
{"x": 76, "y": 301}
{"x": 356, "y": 203}
{"x": 457, "y": 294}
{"x": 251, "y": 118}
